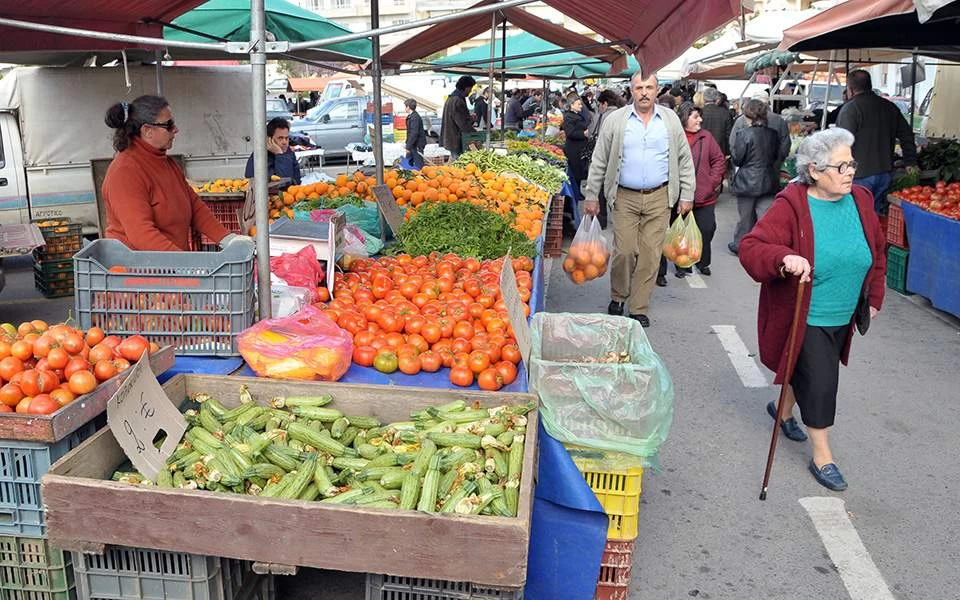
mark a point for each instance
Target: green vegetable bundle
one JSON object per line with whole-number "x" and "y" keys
{"x": 536, "y": 170}
{"x": 448, "y": 458}
{"x": 349, "y": 199}
{"x": 518, "y": 147}
{"x": 464, "y": 229}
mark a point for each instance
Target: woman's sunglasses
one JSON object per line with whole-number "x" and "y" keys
{"x": 168, "y": 125}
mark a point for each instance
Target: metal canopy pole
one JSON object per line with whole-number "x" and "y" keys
{"x": 543, "y": 111}
{"x": 826, "y": 93}
{"x": 159, "y": 55}
{"x": 913, "y": 90}
{"x": 377, "y": 92}
{"x": 493, "y": 52}
{"x": 258, "y": 66}
{"x": 503, "y": 85}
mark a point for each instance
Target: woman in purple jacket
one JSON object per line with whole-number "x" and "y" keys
{"x": 710, "y": 165}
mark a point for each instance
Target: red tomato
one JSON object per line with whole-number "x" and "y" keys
{"x": 11, "y": 394}
{"x": 94, "y": 336}
{"x": 73, "y": 343}
{"x": 36, "y": 382}
{"x": 63, "y": 396}
{"x": 489, "y": 380}
{"x": 57, "y": 358}
{"x": 386, "y": 361}
{"x": 103, "y": 370}
{"x": 42, "y": 404}
{"x": 507, "y": 371}
{"x": 479, "y": 362}
{"x": 430, "y": 361}
{"x": 409, "y": 365}
{"x": 9, "y": 367}
{"x": 511, "y": 352}
{"x": 100, "y": 352}
{"x": 5, "y": 409}
{"x": 461, "y": 376}
{"x": 82, "y": 382}
{"x": 364, "y": 355}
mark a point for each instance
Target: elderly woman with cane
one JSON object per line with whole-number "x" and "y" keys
{"x": 822, "y": 230}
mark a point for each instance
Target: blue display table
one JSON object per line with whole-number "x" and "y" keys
{"x": 933, "y": 270}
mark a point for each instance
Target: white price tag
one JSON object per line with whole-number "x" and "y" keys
{"x": 140, "y": 413}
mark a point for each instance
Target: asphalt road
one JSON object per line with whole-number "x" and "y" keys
{"x": 703, "y": 532}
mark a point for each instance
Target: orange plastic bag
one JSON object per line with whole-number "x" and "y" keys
{"x": 683, "y": 245}
{"x": 307, "y": 345}
{"x": 588, "y": 255}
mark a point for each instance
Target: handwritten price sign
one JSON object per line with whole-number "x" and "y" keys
{"x": 140, "y": 413}
{"x": 515, "y": 312}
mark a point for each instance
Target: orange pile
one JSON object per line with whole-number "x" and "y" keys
{"x": 586, "y": 261}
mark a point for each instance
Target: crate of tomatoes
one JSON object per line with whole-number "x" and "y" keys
{"x": 428, "y": 313}
{"x": 942, "y": 199}
{"x": 56, "y": 378}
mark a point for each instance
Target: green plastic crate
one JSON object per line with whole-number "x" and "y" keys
{"x": 30, "y": 568}
{"x": 897, "y": 269}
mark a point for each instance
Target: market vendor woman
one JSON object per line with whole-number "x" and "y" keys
{"x": 150, "y": 205}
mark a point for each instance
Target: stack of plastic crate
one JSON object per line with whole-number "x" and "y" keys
{"x": 553, "y": 240}
{"x": 389, "y": 587}
{"x": 898, "y": 252}
{"x": 30, "y": 569}
{"x": 617, "y": 486}
{"x": 53, "y": 262}
{"x": 224, "y": 207}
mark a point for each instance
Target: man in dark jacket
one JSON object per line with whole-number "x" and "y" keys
{"x": 515, "y": 112}
{"x": 481, "y": 109}
{"x": 717, "y": 119}
{"x": 876, "y": 124}
{"x": 416, "y": 136}
{"x": 456, "y": 117}
{"x": 281, "y": 160}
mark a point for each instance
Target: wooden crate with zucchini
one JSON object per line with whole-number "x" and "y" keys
{"x": 283, "y": 472}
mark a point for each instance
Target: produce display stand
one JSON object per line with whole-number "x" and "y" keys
{"x": 86, "y": 512}
{"x": 58, "y": 425}
{"x": 933, "y": 269}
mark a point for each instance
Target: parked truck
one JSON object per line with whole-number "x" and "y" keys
{"x": 51, "y": 128}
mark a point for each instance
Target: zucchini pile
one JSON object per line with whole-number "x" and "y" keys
{"x": 449, "y": 459}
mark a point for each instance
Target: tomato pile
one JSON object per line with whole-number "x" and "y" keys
{"x": 425, "y": 313}
{"x": 942, "y": 199}
{"x": 43, "y": 367}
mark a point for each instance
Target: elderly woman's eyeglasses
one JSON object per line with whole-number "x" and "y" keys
{"x": 168, "y": 124}
{"x": 843, "y": 167}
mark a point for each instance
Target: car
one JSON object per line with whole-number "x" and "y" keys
{"x": 276, "y": 107}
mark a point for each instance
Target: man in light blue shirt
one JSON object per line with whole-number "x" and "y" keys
{"x": 642, "y": 162}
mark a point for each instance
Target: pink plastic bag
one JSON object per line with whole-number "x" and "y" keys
{"x": 299, "y": 270}
{"x": 307, "y": 346}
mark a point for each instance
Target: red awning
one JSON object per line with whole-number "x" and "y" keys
{"x": 445, "y": 35}
{"x": 844, "y": 15}
{"x": 108, "y": 16}
{"x": 659, "y": 31}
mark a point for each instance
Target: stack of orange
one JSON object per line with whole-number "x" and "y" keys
{"x": 586, "y": 261}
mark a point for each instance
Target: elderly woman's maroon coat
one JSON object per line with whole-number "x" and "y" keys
{"x": 787, "y": 228}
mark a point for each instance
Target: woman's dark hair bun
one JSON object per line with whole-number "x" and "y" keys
{"x": 115, "y": 117}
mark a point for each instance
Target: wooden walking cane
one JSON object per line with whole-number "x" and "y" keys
{"x": 791, "y": 341}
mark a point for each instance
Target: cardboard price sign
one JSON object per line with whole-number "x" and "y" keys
{"x": 511, "y": 298}
{"x": 388, "y": 207}
{"x": 140, "y": 413}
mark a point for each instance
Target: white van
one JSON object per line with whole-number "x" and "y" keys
{"x": 51, "y": 127}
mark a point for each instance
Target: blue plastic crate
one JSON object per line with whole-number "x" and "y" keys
{"x": 22, "y": 464}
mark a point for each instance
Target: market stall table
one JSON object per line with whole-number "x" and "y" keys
{"x": 392, "y": 153}
{"x": 933, "y": 270}
{"x": 305, "y": 158}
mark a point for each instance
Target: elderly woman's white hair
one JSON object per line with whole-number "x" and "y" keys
{"x": 816, "y": 150}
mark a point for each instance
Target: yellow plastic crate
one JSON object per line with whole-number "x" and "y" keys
{"x": 618, "y": 491}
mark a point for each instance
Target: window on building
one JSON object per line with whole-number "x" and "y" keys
{"x": 339, "y": 4}
{"x": 399, "y": 2}
{"x": 313, "y": 5}
{"x": 400, "y": 21}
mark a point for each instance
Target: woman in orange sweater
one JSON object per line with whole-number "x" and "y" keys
{"x": 150, "y": 205}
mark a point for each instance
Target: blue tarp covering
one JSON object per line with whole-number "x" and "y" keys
{"x": 933, "y": 270}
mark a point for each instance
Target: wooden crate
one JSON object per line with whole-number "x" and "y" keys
{"x": 58, "y": 425}
{"x": 86, "y": 512}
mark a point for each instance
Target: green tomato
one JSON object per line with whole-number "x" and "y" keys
{"x": 385, "y": 361}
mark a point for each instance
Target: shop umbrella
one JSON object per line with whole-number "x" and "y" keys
{"x": 230, "y": 20}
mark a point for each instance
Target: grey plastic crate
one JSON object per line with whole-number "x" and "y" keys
{"x": 197, "y": 302}
{"x": 390, "y": 587}
{"x": 22, "y": 464}
{"x": 142, "y": 574}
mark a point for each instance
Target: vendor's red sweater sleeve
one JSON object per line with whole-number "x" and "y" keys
{"x": 150, "y": 206}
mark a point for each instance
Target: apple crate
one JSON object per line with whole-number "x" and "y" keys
{"x": 30, "y": 569}
{"x": 387, "y": 587}
{"x": 123, "y": 573}
{"x": 197, "y": 302}
{"x": 22, "y": 464}
{"x": 615, "y": 571}
{"x": 896, "y": 227}
{"x": 224, "y": 207}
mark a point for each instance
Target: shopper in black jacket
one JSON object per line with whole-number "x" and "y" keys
{"x": 756, "y": 152}
{"x": 576, "y": 140}
{"x": 416, "y": 136}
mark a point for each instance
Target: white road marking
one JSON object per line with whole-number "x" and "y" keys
{"x": 746, "y": 367}
{"x": 696, "y": 281}
{"x": 857, "y": 570}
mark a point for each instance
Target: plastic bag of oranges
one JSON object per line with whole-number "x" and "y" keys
{"x": 683, "y": 245}
{"x": 588, "y": 255}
